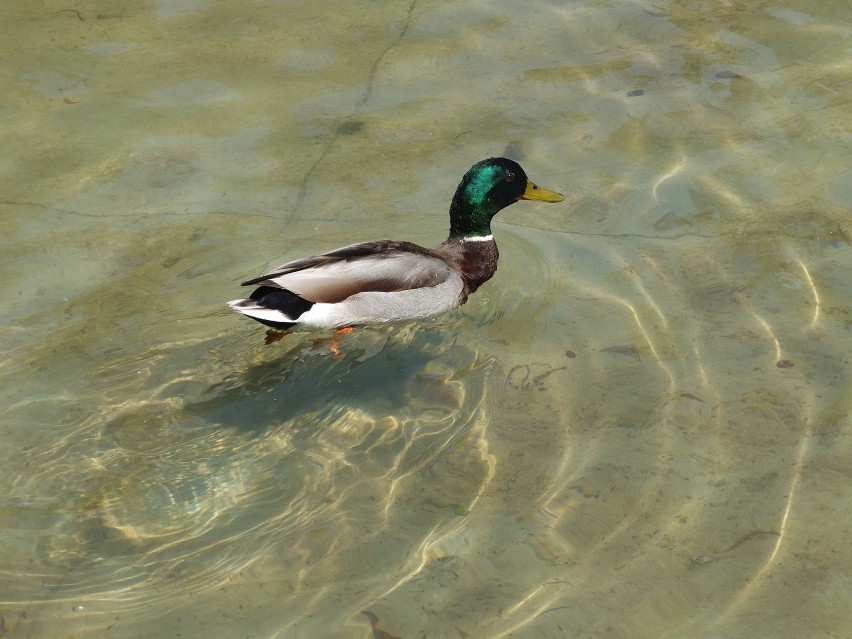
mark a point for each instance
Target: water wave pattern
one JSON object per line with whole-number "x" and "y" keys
{"x": 432, "y": 460}
{"x": 639, "y": 428}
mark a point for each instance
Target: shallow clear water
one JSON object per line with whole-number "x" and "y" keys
{"x": 639, "y": 428}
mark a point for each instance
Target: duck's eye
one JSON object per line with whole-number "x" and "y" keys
{"x": 510, "y": 176}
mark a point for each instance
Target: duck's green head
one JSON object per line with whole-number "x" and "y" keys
{"x": 487, "y": 187}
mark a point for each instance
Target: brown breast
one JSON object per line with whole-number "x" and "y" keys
{"x": 476, "y": 260}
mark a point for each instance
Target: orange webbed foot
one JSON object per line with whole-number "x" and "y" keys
{"x": 336, "y": 353}
{"x": 273, "y": 336}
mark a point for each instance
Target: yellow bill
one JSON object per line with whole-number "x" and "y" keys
{"x": 535, "y": 192}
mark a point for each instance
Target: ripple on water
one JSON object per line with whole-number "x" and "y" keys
{"x": 193, "y": 485}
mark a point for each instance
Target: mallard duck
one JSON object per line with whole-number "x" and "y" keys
{"x": 389, "y": 280}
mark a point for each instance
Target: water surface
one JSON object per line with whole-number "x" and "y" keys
{"x": 639, "y": 428}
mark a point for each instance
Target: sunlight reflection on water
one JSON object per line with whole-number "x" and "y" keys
{"x": 639, "y": 428}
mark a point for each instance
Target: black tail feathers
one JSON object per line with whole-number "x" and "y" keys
{"x": 282, "y": 300}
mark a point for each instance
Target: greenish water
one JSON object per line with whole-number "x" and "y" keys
{"x": 639, "y": 428}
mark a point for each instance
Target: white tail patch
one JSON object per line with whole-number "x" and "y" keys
{"x": 251, "y": 309}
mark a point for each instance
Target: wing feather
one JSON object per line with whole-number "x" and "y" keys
{"x": 381, "y": 266}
